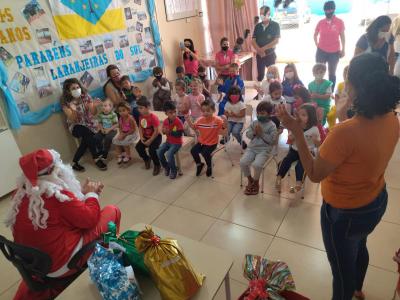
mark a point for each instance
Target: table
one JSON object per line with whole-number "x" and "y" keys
{"x": 214, "y": 263}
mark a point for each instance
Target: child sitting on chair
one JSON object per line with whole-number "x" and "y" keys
{"x": 308, "y": 117}
{"x": 173, "y": 129}
{"x": 128, "y": 91}
{"x": 233, "y": 79}
{"x": 262, "y": 134}
{"x": 208, "y": 128}
{"x": 235, "y": 111}
{"x": 263, "y": 87}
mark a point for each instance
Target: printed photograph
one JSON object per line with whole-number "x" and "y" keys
{"x": 141, "y": 15}
{"x": 86, "y": 79}
{"x": 137, "y": 67}
{"x": 32, "y": 11}
{"x": 138, "y": 2}
{"x": 149, "y": 48}
{"x": 139, "y": 27}
{"x": 147, "y": 32}
{"x": 143, "y": 62}
{"x": 133, "y": 11}
{"x": 125, "y": 1}
{"x": 43, "y": 35}
{"x": 123, "y": 41}
{"x": 152, "y": 63}
{"x": 23, "y": 107}
{"x": 99, "y": 49}
{"x": 19, "y": 83}
{"x": 108, "y": 42}
{"x": 139, "y": 38}
{"x": 6, "y": 56}
{"x": 86, "y": 46}
{"x": 102, "y": 75}
{"x": 131, "y": 28}
{"x": 43, "y": 85}
{"x": 128, "y": 13}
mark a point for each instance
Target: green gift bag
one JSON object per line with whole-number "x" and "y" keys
{"x": 125, "y": 243}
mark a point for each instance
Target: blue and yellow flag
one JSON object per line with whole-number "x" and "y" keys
{"x": 80, "y": 18}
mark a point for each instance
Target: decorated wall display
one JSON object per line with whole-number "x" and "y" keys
{"x": 44, "y": 42}
{"x": 179, "y": 9}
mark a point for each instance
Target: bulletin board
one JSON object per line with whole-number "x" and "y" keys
{"x": 44, "y": 42}
{"x": 179, "y": 9}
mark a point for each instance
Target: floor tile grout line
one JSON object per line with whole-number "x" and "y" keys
{"x": 10, "y": 287}
{"x": 390, "y": 222}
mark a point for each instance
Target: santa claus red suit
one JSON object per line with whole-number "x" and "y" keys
{"x": 53, "y": 213}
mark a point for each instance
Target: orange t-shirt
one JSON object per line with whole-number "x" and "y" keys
{"x": 208, "y": 129}
{"x": 361, "y": 149}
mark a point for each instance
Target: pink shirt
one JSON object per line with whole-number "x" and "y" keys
{"x": 195, "y": 105}
{"x": 225, "y": 58}
{"x": 329, "y": 33}
{"x": 191, "y": 66}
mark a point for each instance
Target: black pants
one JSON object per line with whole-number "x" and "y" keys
{"x": 87, "y": 141}
{"x": 141, "y": 150}
{"x": 264, "y": 62}
{"x": 332, "y": 59}
{"x": 104, "y": 141}
{"x": 205, "y": 151}
{"x": 286, "y": 163}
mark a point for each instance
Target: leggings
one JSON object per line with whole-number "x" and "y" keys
{"x": 87, "y": 141}
{"x": 205, "y": 151}
{"x": 286, "y": 163}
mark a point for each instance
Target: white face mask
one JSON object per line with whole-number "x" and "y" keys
{"x": 264, "y": 18}
{"x": 383, "y": 35}
{"x": 76, "y": 93}
{"x": 289, "y": 75}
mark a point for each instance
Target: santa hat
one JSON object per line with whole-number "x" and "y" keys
{"x": 36, "y": 163}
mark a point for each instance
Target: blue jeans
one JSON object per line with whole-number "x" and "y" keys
{"x": 170, "y": 150}
{"x": 235, "y": 128}
{"x": 345, "y": 233}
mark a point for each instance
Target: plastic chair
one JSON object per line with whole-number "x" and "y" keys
{"x": 34, "y": 265}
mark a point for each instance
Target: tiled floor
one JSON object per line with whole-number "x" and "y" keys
{"x": 216, "y": 212}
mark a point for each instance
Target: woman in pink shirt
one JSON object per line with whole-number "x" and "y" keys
{"x": 190, "y": 60}
{"x": 330, "y": 40}
{"x": 224, "y": 58}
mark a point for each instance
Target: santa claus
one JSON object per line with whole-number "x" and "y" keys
{"x": 52, "y": 212}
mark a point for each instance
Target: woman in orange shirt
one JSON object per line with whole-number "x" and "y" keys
{"x": 351, "y": 165}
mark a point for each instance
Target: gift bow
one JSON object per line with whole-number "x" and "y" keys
{"x": 257, "y": 290}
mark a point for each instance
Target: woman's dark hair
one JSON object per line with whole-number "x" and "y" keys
{"x": 377, "y": 92}
{"x": 374, "y": 28}
{"x": 311, "y": 113}
{"x": 293, "y": 66}
{"x": 223, "y": 40}
{"x": 110, "y": 68}
{"x": 329, "y": 5}
{"x": 265, "y": 106}
{"x": 274, "y": 86}
{"x": 301, "y": 92}
{"x": 235, "y": 90}
{"x": 66, "y": 96}
{"x": 169, "y": 105}
{"x": 185, "y": 55}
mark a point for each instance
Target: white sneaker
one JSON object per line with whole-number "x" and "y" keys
{"x": 120, "y": 159}
{"x": 126, "y": 159}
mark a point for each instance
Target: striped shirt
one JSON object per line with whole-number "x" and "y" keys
{"x": 209, "y": 129}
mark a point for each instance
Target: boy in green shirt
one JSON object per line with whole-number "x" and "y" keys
{"x": 107, "y": 125}
{"x": 321, "y": 89}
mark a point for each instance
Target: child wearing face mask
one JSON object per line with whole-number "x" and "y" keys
{"x": 263, "y": 88}
{"x": 275, "y": 98}
{"x": 235, "y": 111}
{"x": 161, "y": 89}
{"x": 308, "y": 118}
{"x": 224, "y": 87}
{"x": 108, "y": 124}
{"x": 262, "y": 134}
{"x": 321, "y": 90}
{"x": 206, "y": 83}
{"x": 290, "y": 80}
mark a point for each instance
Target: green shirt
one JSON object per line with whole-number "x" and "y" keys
{"x": 107, "y": 120}
{"x": 265, "y": 35}
{"x": 324, "y": 87}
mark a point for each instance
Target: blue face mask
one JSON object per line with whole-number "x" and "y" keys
{"x": 262, "y": 119}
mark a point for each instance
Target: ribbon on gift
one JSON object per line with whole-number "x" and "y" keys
{"x": 273, "y": 276}
{"x": 257, "y": 290}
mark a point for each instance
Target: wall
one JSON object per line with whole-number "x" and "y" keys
{"x": 54, "y": 134}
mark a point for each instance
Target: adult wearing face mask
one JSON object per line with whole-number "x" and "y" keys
{"x": 80, "y": 110}
{"x": 112, "y": 88}
{"x": 265, "y": 38}
{"x": 326, "y": 37}
{"x": 189, "y": 58}
{"x": 224, "y": 58}
{"x": 378, "y": 39}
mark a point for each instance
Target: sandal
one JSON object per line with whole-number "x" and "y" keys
{"x": 252, "y": 189}
{"x": 294, "y": 189}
